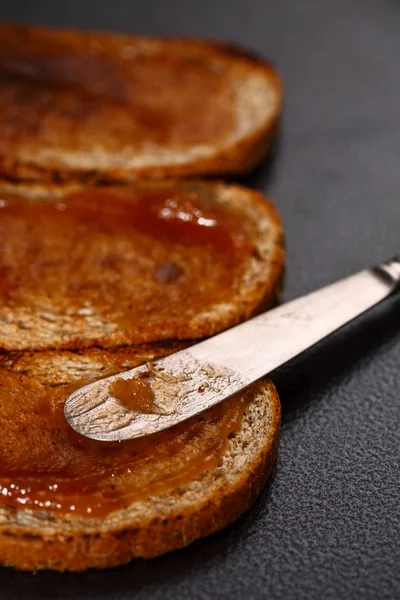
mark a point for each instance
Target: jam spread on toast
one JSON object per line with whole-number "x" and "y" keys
{"x": 45, "y": 465}
{"x": 110, "y": 267}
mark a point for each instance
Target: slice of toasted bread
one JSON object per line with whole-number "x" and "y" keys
{"x": 202, "y": 501}
{"x": 108, "y": 107}
{"x": 120, "y": 266}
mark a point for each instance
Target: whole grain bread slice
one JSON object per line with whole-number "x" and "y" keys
{"x": 108, "y": 107}
{"x": 158, "y": 522}
{"x": 89, "y": 280}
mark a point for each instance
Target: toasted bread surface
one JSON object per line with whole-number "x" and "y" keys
{"x": 107, "y": 107}
{"x": 150, "y": 523}
{"x": 170, "y": 260}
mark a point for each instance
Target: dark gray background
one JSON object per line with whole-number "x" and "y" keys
{"x": 328, "y": 525}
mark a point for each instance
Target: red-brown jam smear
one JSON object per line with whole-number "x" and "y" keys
{"x": 135, "y": 394}
{"x": 45, "y": 465}
{"x": 141, "y": 263}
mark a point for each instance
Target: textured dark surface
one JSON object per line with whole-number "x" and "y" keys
{"x": 328, "y": 526}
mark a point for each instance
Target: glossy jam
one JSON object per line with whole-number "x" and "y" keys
{"x": 44, "y": 464}
{"x": 139, "y": 265}
{"x": 173, "y": 216}
{"x": 135, "y": 394}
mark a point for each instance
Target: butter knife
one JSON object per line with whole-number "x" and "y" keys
{"x": 190, "y": 381}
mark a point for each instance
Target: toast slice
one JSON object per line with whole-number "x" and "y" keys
{"x": 107, "y": 107}
{"x": 210, "y": 468}
{"x": 112, "y": 267}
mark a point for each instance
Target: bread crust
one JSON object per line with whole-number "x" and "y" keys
{"x": 170, "y": 524}
{"x": 252, "y": 80}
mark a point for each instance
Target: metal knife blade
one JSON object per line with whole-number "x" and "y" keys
{"x": 190, "y": 381}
